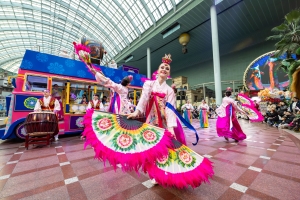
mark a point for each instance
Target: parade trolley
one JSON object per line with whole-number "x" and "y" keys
{"x": 40, "y": 71}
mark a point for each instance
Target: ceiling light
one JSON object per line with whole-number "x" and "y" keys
{"x": 128, "y": 58}
{"x": 170, "y": 30}
{"x": 218, "y": 1}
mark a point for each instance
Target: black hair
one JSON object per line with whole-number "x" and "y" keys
{"x": 97, "y": 95}
{"x": 104, "y": 99}
{"x": 131, "y": 98}
{"x": 296, "y": 98}
{"x": 228, "y": 93}
{"x": 125, "y": 81}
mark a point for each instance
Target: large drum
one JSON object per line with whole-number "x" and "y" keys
{"x": 41, "y": 123}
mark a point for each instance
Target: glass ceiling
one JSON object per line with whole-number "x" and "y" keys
{"x": 52, "y": 25}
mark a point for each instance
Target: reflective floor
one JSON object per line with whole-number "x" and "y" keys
{"x": 265, "y": 166}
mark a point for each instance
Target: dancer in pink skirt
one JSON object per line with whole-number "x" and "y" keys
{"x": 227, "y": 123}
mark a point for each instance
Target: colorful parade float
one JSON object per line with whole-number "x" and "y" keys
{"x": 67, "y": 79}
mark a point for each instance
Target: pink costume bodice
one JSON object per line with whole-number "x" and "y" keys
{"x": 221, "y": 111}
{"x": 118, "y": 88}
{"x": 154, "y": 95}
{"x": 203, "y": 107}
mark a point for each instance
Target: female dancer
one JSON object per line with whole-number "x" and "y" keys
{"x": 203, "y": 109}
{"x": 155, "y": 101}
{"x": 227, "y": 123}
{"x": 119, "y": 103}
{"x": 187, "y": 108}
{"x": 154, "y": 97}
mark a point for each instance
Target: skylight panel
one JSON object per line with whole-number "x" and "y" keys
{"x": 169, "y": 5}
{"x": 56, "y": 24}
{"x": 177, "y": 1}
{"x": 156, "y": 15}
{"x": 162, "y": 9}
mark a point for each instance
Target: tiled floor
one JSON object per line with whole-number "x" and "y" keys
{"x": 265, "y": 166}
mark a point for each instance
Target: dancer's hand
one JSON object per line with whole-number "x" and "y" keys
{"x": 133, "y": 115}
{"x": 91, "y": 68}
{"x": 171, "y": 130}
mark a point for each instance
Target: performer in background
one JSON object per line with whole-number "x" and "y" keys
{"x": 113, "y": 64}
{"x": 227, "y": 123}
{"x": 179, "y": 133}
{"x": 84, "y": 101}
{"x": 48, "y": 103}
{"x": 96, "y": 104}
{"x": 203, "y": 114}
{"x": 105, "y": 103}
{"x": 119, "y": 103}
{"x": 132, "y": 106}
{"x": 187, "y": 111}
{"x": 58, "y": 95}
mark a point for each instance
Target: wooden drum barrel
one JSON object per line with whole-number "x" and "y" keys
{"x": 41, "y": 123}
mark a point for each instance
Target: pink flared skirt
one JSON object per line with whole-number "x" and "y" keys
{"x": 229, "y": 126}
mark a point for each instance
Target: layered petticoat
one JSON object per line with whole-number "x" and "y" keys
{"x": 140, "y": 146}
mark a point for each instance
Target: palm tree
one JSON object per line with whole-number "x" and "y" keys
{"x": 289, "y": 35}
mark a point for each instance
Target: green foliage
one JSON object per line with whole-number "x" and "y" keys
{"x": 288, "y": 33}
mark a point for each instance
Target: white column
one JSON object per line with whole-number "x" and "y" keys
{"x": 148, "y": 63}
{"x": 216, "y": 54}
{"x": 204, "y": 92}
{"x": 233, "y": 88}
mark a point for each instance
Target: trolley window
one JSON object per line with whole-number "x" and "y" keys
{"x": 36, "y": 83}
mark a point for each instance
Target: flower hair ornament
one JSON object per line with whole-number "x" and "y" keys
{"x": 228, "y": 89}
{"x": 130, "y": 77}
{"x": 167, "y": 59}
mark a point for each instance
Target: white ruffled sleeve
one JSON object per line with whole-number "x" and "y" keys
{"x": 170, "y": 115}
{"x": 144, "y": 97}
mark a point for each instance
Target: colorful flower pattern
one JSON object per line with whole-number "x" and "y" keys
{"x": 41, "y": 62}
{"x": 117, "y": 79}
{"x": 124, "y": 141}
{"x": 109, "y": 72}
{"x": 70, "y": 63}
{"x": 26, "y": 64}
{"x": 81, "y": 73}
{"x": 183, "y": 157}
{"x": 104, "y": 124}
{"x": 124, "y": 73}
{"x": 56, "y": 68}
{"x": 30, "y": 102}
{"x": 149, "y": 136}
{"x": 108, "y": 129}
{"x": 79, "y": 122}
{"x": 41, "y": 57}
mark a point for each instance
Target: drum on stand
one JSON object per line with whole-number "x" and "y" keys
{"x": 40, "y": 127}
{"x": 41, "y": 123}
